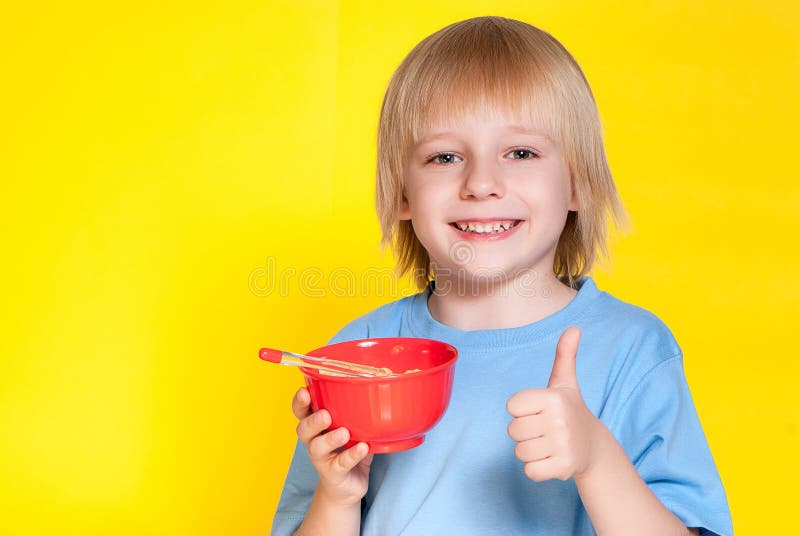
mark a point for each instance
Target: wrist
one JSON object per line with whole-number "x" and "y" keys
{"x": 328, "y": 515}
{"x": 332, "y": 498}
{"x": 601, "y": 446}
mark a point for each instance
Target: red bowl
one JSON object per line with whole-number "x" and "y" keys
{"x": 393, "y": 413}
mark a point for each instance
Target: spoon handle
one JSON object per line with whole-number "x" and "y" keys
{"x": 321, "y": 363}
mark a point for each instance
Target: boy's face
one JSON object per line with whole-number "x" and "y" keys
{"x": 487, "y": 169}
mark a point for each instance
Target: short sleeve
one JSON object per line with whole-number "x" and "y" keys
{"x": 356, "y": 329}
{"x": 301, "y": 481}
{"x": 302, "y": 478}
{"x": 660, "y": 431}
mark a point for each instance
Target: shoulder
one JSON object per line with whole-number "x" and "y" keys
{"x": 637, "y": 340}
{"x": 635, "y": 352}
{"x": 630, "y": 324}
{"x": 383, "y": 321}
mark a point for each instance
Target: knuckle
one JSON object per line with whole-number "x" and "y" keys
{"x": 305, "y": 431}
{"x": 318, "y": 447}
{"x": 557, "y": 400}
{"x": 317, "y": 421}
{"x": 313, "y": 448}
{"x": 323, "y": 417}
{"x": 308, "y": 427}
{"x": 554, "y": 401}
{"x": 346, "y": 460}
{"x": 331, "y": 440}
{"x": 297, "y": 402}
{"x": 336, "y": 438}
{"x": 559, "y": 423}
{"x": 513, "y": 429}
{"x": 518, "y": 402}
{"x": 533, "y": 473}
{"x": 511, "y": 406}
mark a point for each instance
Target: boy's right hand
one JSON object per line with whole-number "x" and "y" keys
{"x": 343, "y": 474}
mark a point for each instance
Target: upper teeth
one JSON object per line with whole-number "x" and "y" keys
{"x": 485, "y": 227}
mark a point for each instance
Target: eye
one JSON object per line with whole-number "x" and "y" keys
{"x": 443, "y": 159}
{"x": 523, "y": 154}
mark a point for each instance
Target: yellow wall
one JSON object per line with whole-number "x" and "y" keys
{"x": 157, "y": 158}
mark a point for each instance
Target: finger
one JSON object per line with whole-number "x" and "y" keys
{"x": 527, "y": 427}
{"x": 351, "y": 457}
{"x": 313, "y": 425}
{"x": 546, "y": 469}
{"x": 321, "y": 447}
{"x": 527, "y": 402}
{"x": 563, "y": 373}
{"x": 533, "y": 450}
{"x": 301, "y": 403}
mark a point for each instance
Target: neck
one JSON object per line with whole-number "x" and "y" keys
{"x": 505, "y": 303}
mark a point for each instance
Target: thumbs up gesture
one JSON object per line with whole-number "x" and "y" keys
{"x": 553, "y": 428}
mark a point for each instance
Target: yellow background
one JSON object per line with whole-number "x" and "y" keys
{"x": 157, "y": 157}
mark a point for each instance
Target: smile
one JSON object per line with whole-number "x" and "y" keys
{"x": 486, "y": 230}
{"x": 486, "y": 227}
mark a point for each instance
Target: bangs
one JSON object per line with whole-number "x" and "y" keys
{"x": 482, "y": 72}
{"x": 520, "y": 99}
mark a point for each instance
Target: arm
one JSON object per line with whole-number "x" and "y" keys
{"x": 558, "y": 437}
{"x": 617, "y": 500}
{"x": 326, "y": 517}
{"x": 335, "y": 508}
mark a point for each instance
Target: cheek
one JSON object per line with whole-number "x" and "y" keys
{"x": 425, "y": 198}
{"x": 549, "y": 195}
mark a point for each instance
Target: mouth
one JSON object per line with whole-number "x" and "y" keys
{"x": 485, "y": 226}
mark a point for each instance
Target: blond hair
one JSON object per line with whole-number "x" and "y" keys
{"x": 486, "y": 61}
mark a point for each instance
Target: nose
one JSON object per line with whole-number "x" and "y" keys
{"x": 482, "y": 181}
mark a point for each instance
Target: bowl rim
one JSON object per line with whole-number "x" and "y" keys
{"x": 401, "y": 377}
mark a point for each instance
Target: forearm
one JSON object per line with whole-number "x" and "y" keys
{"x": 329, "y": 519}
{"x": 617, "y": 499}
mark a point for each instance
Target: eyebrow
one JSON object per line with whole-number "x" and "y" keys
{"x": 517, "y": 129}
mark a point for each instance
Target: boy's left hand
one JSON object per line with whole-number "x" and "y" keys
{"x": 553, "y": 428}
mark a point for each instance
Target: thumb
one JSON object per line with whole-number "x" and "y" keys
{"x": 563, "y": 374}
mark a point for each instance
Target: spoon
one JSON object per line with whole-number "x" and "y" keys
{"x": 323, "y": 364}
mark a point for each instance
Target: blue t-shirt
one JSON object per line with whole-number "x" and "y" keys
{"x": 465, "y": 479}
